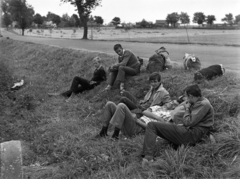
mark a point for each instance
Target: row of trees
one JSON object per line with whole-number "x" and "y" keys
{"x": 184, "y": 18}
{"x": 23, "y": 14}
{"x": 199, "y": 18}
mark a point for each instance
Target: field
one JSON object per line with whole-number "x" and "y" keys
{"x": 57, "y": 136}
{"x": 175, "y": 36}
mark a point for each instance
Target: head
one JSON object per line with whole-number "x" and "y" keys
{"x": 96, "y": 62}
{"x": 161, "y": 50}
{"x": 155, "y": 79}
{"x": 198, "y": 77}
{"x": 193, "y": 93}
{"x": 118, "y": 49}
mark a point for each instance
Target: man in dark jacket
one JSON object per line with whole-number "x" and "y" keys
{"x": 80, "y": 84}
{"x": 209, "y": 73}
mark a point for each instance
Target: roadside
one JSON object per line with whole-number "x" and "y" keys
{"x": 228, "y": 56}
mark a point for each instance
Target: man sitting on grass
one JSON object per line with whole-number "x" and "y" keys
{"x": 197, "y": 121}
{"x": 123, "y": 119}
{"x": 128, "y": 64}
{"x": 80, "y": 84}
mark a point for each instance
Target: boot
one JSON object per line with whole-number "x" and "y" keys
{"x": 103, "y": 132}
{"x": 116, "y": 133}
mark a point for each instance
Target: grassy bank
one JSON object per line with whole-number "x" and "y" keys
{"x": 57, "y": 135}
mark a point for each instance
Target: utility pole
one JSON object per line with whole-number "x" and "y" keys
{"x": 0, "y": 18}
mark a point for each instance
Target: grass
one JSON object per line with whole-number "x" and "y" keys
{"x": 57, "y": 136}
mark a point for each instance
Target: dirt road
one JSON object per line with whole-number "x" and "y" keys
{"x": 228, "y": 56}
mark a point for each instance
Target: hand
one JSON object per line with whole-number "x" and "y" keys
{"x": 92, "y": 82}
{"x": 141, "y": 102}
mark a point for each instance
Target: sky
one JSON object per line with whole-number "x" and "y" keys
{"x": 137, "y": 10}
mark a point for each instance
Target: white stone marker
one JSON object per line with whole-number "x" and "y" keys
{"x": 11, "y": 160}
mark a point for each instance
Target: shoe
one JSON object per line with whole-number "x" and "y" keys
{"x": 116, "y": 134}
{"x": 146, "y": 161}
{"x": 103, "y": 132}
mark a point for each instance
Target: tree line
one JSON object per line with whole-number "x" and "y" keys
{"x": 23, "y": 13}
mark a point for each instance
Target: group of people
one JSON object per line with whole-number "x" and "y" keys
{"x": 191, "y": 118}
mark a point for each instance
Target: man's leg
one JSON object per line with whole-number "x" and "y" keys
{"x": 176, "y": 134}
{"x": 128, "y": 99}
{"x": 108, "y": 112}
{"x": 111, "y": 78}
{"x": 123, "y": 119}
{"x": 124, "y": 70}
{"x": 85, "y": 85}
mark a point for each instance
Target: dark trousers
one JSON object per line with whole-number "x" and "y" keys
{"x": 129, "y": 100}
{"x": 175, "y": 134}
{"x": 78, "y": 86}
{"x": 120, "y": 74}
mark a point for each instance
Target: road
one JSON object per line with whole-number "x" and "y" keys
{"x": 226, "y": 55}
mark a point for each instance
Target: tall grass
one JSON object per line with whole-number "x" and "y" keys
{"x": 58, "y": 136}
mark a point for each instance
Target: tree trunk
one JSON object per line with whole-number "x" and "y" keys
{"x": 85, "y": 30}
{"x": 22, "y": 31}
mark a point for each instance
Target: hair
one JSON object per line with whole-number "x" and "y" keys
{"x": 97, "y": 59}
{"x": 198, "y": 76}
{"x": 155, "y": 76}
{"x": 193, "y": 90}
{"x": 117, "y": 46}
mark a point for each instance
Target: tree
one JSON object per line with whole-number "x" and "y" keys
{"x": 210, "y": 19}
{"x": 199, "y": 18}
{"x": 116, "y": 21}
{"x": 7, "y": 20}
{"x": 20, "y": 12}
{"x": 172, "y": 18}
{"x": 84, "y": 8}
{"x": 56, "y": 19}
{"x": 237, "y": 19}
{"x": 38, "y": 19}
{"x": 98, "y": 19}
{"x": 77, "y": 20}
{"x": 228, "y": 18}
{"x": 144, "y": 23}
{"x": 184, "y": 18}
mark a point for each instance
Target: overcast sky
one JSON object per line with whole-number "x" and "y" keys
{"x": 150, "y": 10}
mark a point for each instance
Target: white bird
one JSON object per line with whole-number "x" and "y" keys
{"x": 17, "y": 85}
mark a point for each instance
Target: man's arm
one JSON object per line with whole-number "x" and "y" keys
{"x": 193, "y": 117}
{"x": 150, "y": 114}
{"x": 126, "y": 57}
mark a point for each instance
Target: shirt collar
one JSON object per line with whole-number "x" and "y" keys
{"x": 123, "y": 53}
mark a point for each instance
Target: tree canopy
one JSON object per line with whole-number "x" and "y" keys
{"x": 84, "y": 8}
{"x": 116, "y": 20}
{"x": 184, "y": 18}
{"x": 20, "y": 12}
{"x": 98, "y": 19}
{"x": 38, "y": 19}
{"x": 237, "y": 18}
{"x": 172, "y": 18}
{"x": 199, "y": 18}
{"x": 210, "y": 19}
{"x": 228, "y": 18}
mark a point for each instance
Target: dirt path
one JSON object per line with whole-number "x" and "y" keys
{"x": 228, "y": 56}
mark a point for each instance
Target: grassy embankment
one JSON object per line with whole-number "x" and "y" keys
{"x": 57, "y": 135}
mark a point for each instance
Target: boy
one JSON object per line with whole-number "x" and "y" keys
{"x": 80, "y": 84}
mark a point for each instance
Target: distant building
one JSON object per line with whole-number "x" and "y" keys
{"x": 161, "y": 23}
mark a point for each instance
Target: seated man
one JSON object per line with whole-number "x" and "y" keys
{"x": 197, "y": 120}
{"x": 80, "y": 84}
{"x": 209, "y": 73}
{"x": 128, "y": 64}
{"x": 157, "y": 95}
{"x": 123, "y": 119}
